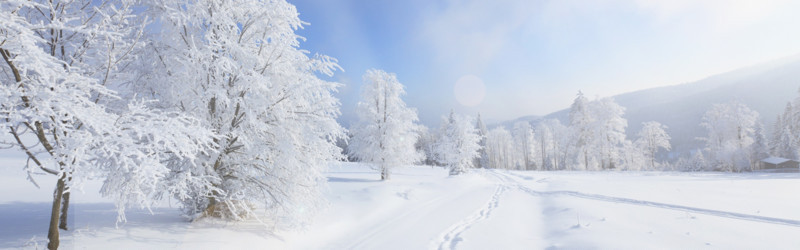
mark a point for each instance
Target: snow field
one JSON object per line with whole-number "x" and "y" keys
{"x": 423, "y": 208}
{"x": 617, "y": 210}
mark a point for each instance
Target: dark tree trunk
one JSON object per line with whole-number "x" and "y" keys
{"x": 384, "y": 173}
{"x": 52, "y": 234}
{"x": 64, "y": 210}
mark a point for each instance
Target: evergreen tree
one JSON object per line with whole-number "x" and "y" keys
{"x": 776, "y": 139}
{"x": 457, "y": 145}
{"x": 482, "y": 160}
{"x": 580, "y": 122}
{"x": 760, "y": 147}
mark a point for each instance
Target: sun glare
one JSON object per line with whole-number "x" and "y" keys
{"x": 469, "y": 90}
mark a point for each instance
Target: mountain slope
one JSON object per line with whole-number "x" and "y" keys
{"x": 765, "y": 88}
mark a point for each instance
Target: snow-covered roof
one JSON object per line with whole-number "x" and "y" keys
{"x": 775, "y": 160}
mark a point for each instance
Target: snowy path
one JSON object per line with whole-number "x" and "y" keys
{"x": 386, "y": 227}
{"x": 453, "y": 235}
{"x": 422, "y": 205}
{"x": 374, "y": 235}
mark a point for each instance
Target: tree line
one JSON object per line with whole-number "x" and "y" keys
{"x": 593, "y": 139}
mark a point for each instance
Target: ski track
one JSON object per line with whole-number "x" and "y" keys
{"x": 453, "y": 235}
{"x": 718, "y": 213}
{"x": 364, "y": 238}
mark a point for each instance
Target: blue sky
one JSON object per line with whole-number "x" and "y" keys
{"x": 532, "y": 57}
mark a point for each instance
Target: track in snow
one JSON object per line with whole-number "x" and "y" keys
{"x": 416, "y": 210}
{"x": 718, "y": 213}
{"x": 453, "y": 235}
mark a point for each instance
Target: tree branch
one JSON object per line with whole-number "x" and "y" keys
{"x": 29, "y": 153}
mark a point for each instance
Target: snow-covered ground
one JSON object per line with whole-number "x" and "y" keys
{"x": 423, "y": 208}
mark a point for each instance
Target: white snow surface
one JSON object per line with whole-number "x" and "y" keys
{"x": 422, "y": 207}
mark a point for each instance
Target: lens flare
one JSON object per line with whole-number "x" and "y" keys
{"x": 469, "y": 90}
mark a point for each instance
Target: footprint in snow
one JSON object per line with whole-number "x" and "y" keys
{"x": 405, "y": 194}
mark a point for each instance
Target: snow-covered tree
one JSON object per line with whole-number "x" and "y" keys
{"x": 499, "y": 148}
{"x": 609, "y": 131}
{"x": 597, "y": 133}
{"x": 633, "y": 157}
{"x": 785, "y": 146}
{"x": 760, "y": 147}
{"x": 457, "y": 145}
{"x": 523, "y": 143}
{"x": 238, "y": 67}
{"x": 483, "y": 158}
{"x": 652, "y": 137}
{"x": 426, "y": 145}
{"x": 544, "y": 137}
{"x": 698, "y": 162}
{"x": 386, "y": 131}
{"x": 694, "y": 162}
{"x": 731, "y": 131}
{"x": 580, "y": 122}
{"x": 553, "y": 142}
{"x": 63, "y": 79}
{"x": 785, "y": 139}
{"x": 775, "y": 138}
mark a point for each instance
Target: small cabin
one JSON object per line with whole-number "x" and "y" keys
{"x": 778, "y": 163}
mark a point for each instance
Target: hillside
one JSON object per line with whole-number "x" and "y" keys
{"x": 510, "y": 123}
{"x": 765, "y": 88}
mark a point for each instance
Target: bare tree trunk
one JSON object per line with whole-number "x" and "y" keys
{"x": 544, "y": 155}
{"x": 652, "y": 160}
{"x": 384, "y": 173}
{"x": 64, "y": 210}
{"x": 585, "y": 160}
{"x": 52, "y": 234}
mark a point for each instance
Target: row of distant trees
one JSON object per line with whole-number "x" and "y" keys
{"x": 594, "y": 139}
{"x": 737, "y": 141}
{"x": 387, "y": 136}
{"x": 386, "y": 133}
